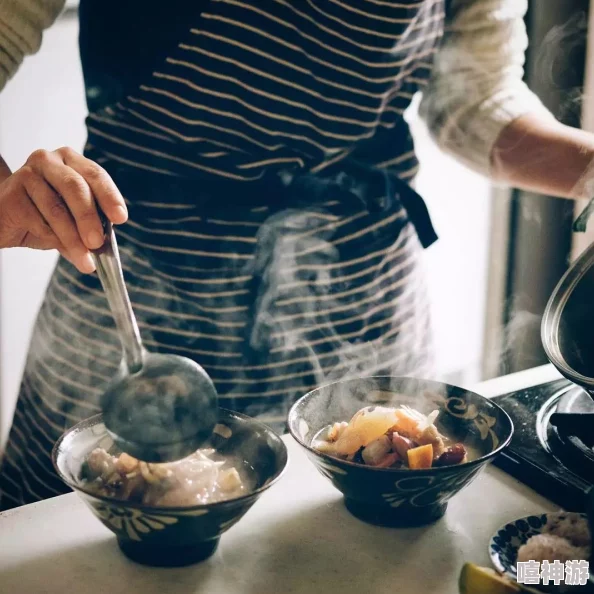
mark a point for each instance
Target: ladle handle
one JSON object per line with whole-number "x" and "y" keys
{"x": 109, "y": 270}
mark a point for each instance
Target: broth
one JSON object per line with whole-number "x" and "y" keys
{"x": 203, "y": 477}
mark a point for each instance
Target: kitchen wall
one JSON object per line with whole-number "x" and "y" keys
{"x": 460, "y": 205}
{"x": 44, "y": 107}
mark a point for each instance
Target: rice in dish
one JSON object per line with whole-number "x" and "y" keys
{"x": 195, "y": 480}
{"x": 391, "y": 438}
{"x": 566, "y": 537}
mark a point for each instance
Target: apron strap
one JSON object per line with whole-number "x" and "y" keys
{"x": 356, "y": 186}
{"x": 416, "y": 208}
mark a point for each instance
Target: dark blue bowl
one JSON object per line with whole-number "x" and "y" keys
{"x": 401, "y": 497}
{"x": 174, "y": 536}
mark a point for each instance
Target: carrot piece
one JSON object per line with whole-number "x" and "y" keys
{"x": 420, "y": 457}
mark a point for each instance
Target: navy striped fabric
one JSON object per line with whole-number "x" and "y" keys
{"x": 273, "y": 233}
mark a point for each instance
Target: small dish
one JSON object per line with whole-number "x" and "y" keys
{"x": 506, "y": 542}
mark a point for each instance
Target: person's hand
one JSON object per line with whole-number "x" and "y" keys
{"x": 50, "y": 203}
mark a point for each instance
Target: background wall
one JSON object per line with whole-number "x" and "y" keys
{"x": 43, "y": 107}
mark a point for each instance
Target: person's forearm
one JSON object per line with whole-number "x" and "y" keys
{"x": 546, "y": 157}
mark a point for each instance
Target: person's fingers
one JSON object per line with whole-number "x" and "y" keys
{"x": 57, "y": 215}
{"x": 72, "y": 204}
{"x": 21, "y": 225}
{"x": 104, "y": 190}
{"x": 54, "y": 201}
{"x": 86, "y": 265}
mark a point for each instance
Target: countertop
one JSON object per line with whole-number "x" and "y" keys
{"x": 297, "y": 538}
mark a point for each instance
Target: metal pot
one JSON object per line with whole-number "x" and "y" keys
{"x": 567, "y": 328}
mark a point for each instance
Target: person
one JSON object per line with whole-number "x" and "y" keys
{"x": 256, "y": 159}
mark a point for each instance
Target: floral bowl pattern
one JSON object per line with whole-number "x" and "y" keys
{"x": 401, "y": 497}
{"x": 168, "y": 536}
{"x": 506, "y": 542}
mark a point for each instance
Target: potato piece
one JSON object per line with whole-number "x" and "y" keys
{"x": 374, "y": 453}
{"x": 420, "y": 457}
{"x": 431, "y": 435}
{"x": 126, "y": 463}
{"x": 366, "y": 426}
{"x": 229, "y": 479}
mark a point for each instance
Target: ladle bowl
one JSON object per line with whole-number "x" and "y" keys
{"x": 162, "y": 412}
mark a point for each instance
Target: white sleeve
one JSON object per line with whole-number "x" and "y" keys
{"x": 22, "y": 23}
{"x": 476, "y": 88}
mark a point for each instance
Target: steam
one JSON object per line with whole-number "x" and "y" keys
{"x": 522, "y": 326}
{"x": 303, "y": 310}
{"x": 561, "y": 57}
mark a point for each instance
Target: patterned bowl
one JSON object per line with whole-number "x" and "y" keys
{"x": 506, "y": 542}
{"x": 173, "y": 536}
{"x": 401, "y": 497}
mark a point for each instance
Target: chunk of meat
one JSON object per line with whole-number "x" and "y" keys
{"x": 401, "y": 445}
{"x": 455, "y": 454}
{"x": 100, "y": 464}
{"x": 126, "y": 464}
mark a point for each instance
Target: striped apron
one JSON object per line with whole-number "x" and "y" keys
{"x": 274, "y": 235}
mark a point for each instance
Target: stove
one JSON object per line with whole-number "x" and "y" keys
{"x": 552, "y": 449}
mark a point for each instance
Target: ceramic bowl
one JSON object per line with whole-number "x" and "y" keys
{"x": 401, "y": 497}
{"x": 173, "y": 536}
{"x": 506, "y": 542}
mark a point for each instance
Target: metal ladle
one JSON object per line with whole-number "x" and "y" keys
{"x": 158, "y": 408}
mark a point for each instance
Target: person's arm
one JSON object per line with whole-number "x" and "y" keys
{"x": 22, "y": 23}
{"x": 478, "y": 108}
{"x": 51, "y": 201}
{"x": 546, "y": 157}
